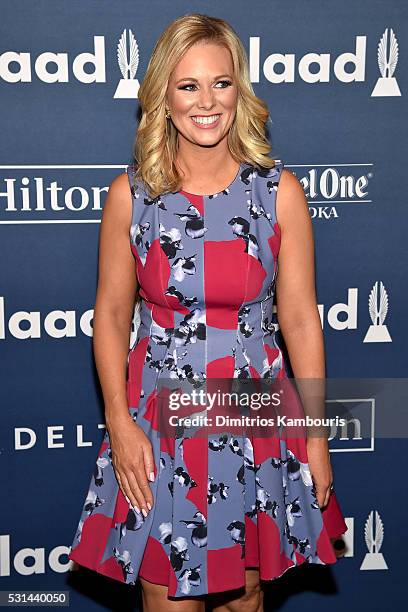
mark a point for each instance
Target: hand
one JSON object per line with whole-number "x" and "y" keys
{"x": 320, "y": 469}
{"x": 132, "y": 459}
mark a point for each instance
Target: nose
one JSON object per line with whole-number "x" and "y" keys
{"x": 206, "y": 99}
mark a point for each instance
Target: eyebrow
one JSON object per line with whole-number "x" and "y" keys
{"x": 220, "y": 76}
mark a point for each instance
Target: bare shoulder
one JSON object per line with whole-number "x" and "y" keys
{"x": 291, "y": 202}
{"x": 119, "y": 189}
{"x": 118, "y": 203}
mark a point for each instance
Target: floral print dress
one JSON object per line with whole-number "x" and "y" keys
{"x": 206, "y": 267}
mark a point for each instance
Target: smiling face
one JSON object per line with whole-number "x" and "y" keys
{"x": 202, "y": 94}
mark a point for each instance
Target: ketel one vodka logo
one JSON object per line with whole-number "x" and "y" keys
{"x": 128, "y": 60}
{"x": 387, "y": 61}
{"x": 374, "y": 535}
{"x": 378, "y": 308}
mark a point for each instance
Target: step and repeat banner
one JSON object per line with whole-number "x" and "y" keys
{"x": 334, "y": 76}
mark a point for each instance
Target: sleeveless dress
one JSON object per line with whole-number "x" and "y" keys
{"x": 206, "y": 268}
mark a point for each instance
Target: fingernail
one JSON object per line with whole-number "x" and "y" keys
{"x": 144, "y": 512}
{"x": 151, "y": 476}
{"x": 149, "y": 505}
{"x": 127, "y": 499}
{"x": 137, "y": 509}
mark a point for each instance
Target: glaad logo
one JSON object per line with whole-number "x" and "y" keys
{"x": 60, "y": 60}
{"x": 328, "y": 66}
{"x": 30, "y": 561}
{"x": 348, "y": 310}
{"x": 374, "y": 535}
{"x": 128, "y": 61}
{"x": 378, "y": 308}
{"x": 25, "y": 325}
{"x": 387, "y": 84}
{"x": 322, "y": 60}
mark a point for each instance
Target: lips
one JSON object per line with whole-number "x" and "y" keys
{"x": 205, "y": 120}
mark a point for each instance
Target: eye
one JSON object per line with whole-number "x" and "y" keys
{"x": 185, "y": 87}
{"x": 228, "y": 83}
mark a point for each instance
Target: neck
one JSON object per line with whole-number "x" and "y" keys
{"x": 199, "y": 164}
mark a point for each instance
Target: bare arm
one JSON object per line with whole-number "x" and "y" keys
{"x": 298, "y": 314}
{"x": 132, "y": 456}
{"x": 115, "y": 298}
{"x": 299, "y": 319}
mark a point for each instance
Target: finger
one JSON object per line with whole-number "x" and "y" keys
{"x": 149, "y": 463}
{"x": 124, "y": 487}
{"x": 317, "y": 493}
{"x": 137, "y": 488}
{"x": 326, "y": 498}
{"x": 131, "y": 500}
{"x": 320, "y": 495}
{"x": 121, "y": 484}
{"x": 133, "y": 493}
{"x": 321, "y": 499}
{"x": 144, "y": 486}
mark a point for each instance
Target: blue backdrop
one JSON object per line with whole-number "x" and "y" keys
{"x": 334, "y": 76}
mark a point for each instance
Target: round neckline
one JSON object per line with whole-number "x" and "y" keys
{"x": 210, "y": 195}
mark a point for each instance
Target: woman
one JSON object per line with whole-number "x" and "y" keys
{"x": 210, "y": 216}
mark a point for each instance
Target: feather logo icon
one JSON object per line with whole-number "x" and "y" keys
{"x": 387, "y": 84}
{"x": 128, "y": 61}
{"x": 378, "y": 308}
{"x": 374, "y": 535}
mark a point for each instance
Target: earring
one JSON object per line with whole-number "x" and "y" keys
{"x": 167, "y": 113}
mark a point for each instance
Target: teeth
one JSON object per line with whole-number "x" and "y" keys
{"x": 205, "y": 120}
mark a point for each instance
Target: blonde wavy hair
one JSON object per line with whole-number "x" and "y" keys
{"x": 156, "y": 141}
